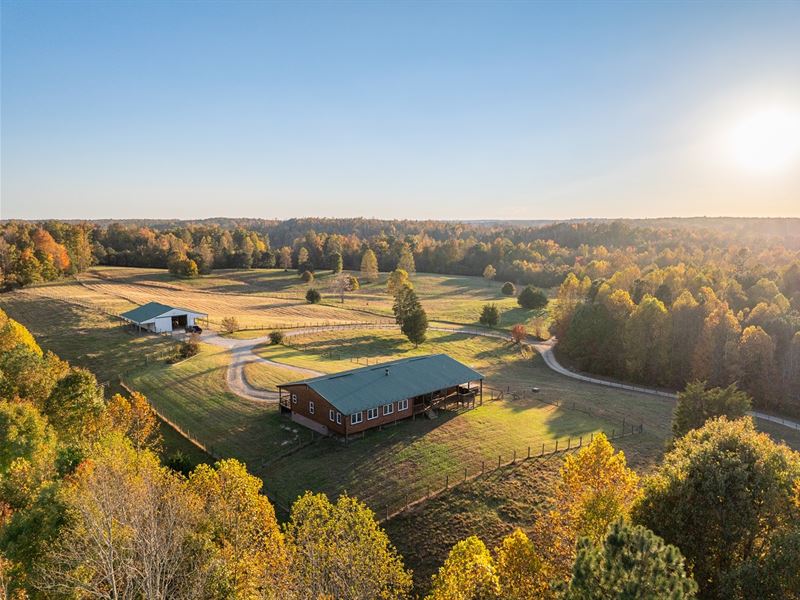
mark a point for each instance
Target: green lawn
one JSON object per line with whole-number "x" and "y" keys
{"x": 194, "y": 395}
{"x": 267, "y": 377}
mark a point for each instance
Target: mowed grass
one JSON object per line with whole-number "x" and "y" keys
{"x": 267, "y": 377}
{"x": 450, "y": 298}
{"x": 83, "y": 336}
{"x": 194, "y": 394}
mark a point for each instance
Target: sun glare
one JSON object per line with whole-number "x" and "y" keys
{"x": 766, "y": 141}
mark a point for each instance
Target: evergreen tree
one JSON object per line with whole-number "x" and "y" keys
{"x": 697, "y": 404}
{"x": 630, "y": 563}
{"x": 508, "y": 289}
{"x": 397, "y": 280}
{"x": 490, "y": 315}
{"x": 531, "y": 298}
{"x": 313, "y": 296}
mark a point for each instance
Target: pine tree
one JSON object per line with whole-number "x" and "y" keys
{"x": 630, "y": 563}
{"x": 490, "y": 315}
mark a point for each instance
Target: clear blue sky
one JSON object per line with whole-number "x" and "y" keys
{"x": 418, "y": 110}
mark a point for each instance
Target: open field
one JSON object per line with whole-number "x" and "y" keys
{"x": 270, "y": 297}
{"x": 193, "y": 393}
{"x": 267, "y": 377}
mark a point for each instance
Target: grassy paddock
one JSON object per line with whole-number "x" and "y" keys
{"x": 267, "y": 377}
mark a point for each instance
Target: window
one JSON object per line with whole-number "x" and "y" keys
{"x": 356, "y": 418}
{"x": 330, "y": 415}
{"x": 294, "y": 398}
{"x": 311, "y": 406}
{"x": 373, "y": 413}
{"x": 388, "y": 408}
{"x": 402, "y": 405}
{"x": 338, "y": 418}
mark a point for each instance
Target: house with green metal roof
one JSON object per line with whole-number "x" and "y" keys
{"x": 377, "y": 395}
{"x": 160, "y": 318}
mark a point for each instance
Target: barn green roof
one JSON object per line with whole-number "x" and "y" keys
{"x": 367, "y": 387}
{"x": 146, "y": 312}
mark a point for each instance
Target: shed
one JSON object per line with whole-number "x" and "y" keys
{"x": 160, "y": 318}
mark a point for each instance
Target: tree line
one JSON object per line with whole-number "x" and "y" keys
{"x": 673, "y": 325}
{"x": 537, "y": 255}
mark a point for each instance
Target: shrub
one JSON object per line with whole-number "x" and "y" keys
{"x": 307, "y": 276}
{"x": 531, "y": 298}
{"x": 190, "y": 347}
{"x": 179, "y": 461}
{"x": 518, "y": 333}
{"x": 313, "y": 296}
{"x": 230, "y": 324}
{"x": 276, "y": 337}
{"x": 508, "y": 289}
{"x": 490, "y": 316}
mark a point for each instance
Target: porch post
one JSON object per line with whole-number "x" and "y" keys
{"x": 481, "y": 392}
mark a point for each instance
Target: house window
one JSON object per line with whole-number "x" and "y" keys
{"x": 388, "y": 408}
{"x": 402, "y": 405}
{"x": 338, "y": 418}
{"x": 330, "y": 415}
{"x": 372, "y": 413}
{"x": 294, "y": 398}
{"x": 311, "y": 406}
{"x": 356, "y": 418}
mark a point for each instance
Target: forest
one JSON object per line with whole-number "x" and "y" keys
{"x": 88, "y": 510}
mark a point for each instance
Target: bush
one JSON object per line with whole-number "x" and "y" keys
{"x": 179, "y": 461}
{"x": 313, "y": 297}
{"x": 230, "y": 324}
{"x": 518, "y": 333}
{"x": 490, "y": 316}
{"x": 508, "y": 289}
{"x": 307, "y": 276}
{"x": 531, "y": 298}
{"x": 189, "y": 348}
{"x": 276, "y": 337}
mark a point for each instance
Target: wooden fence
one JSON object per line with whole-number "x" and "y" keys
{"x": 470, "y": 472}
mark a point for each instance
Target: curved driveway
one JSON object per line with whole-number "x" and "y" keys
{"x": 242, "y": 354}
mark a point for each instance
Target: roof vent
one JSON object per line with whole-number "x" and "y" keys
{"x": 387, "y": 372}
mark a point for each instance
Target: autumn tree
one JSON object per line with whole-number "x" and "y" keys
{"x": 489, "y": 272}
{"x": 304, "y": 260}
{"x": 697, "y": 404}
{"x": 715, "y": 357}
{"x": 490, "y": 315}
{"x": 629, "y": 563}
{"x": 521, "y": 572}
{"x": 75, "y": 401}
{"x": 468, "y": 573}
{"x": 406, "y": 261}
{"x": 285, "y": 258}
{"x": 307, "y": 276}
{"x": 130, "y": 531}
{"x": 518, "y": 333}
{"x": 720, "y": 496}
{"x": 369, "y": 266}
{"x": 339, "y": 551}
{"x": 758, "y": 375}
{"x": 571, "y": 291}
{"x": 596, "y": 488}
{"x": 646, "y": 337}
{"x": 397, "y": 280}
{"x": 133, "y": 417}
{"x": 243, "y": 530}
{"x": 230, "y": 324}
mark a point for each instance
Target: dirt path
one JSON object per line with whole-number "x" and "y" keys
{"x": 242, "y": 354}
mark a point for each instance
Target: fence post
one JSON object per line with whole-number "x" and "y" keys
{"x": 498, "y": 461}
{"x": 556, "y": 446}
{"x": 542, "y": 453}
{"x": 580, "y": 442}
{"x": 483, "y": 466}
{"x": 514, "y": 460}
{"x": 529, "y": 451}
{"x": 446, "y": 481}
{"x": 465, "y": 473}
{"x": 569, "y": 443}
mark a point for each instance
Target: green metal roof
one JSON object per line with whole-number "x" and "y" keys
{"x": 367, "y": 387}
{"x": 146, "y": 312}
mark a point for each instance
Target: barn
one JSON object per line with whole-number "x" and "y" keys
{"x": 160, "y": 318}
{"x": 360, "y": 399}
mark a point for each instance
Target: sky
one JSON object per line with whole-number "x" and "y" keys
{"x": 441, "y": 110}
